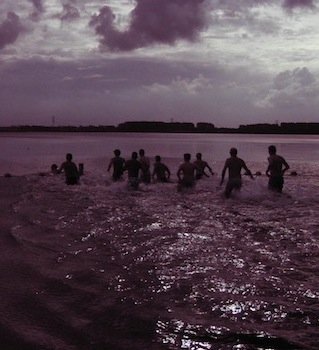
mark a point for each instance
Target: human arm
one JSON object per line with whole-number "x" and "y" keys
{"x": 223, "y": 173}
{"x": 205, "y": 173}
{"x": 248, "y": 172}
{"x": 268, "y": 171}
{"x": 61, "y": 168}
{"x": 154, "y": 171}
{"x": 110, "y": 165}
{"x": 286, "y": 166}
{"x": 168, "y": 172}
{"x": 201, "y": 169}
{"x": 179, "y": 172}
{"x": 210, "y": 169}
{"x": 268, "y": 168}
{"x": 206, "y": 165}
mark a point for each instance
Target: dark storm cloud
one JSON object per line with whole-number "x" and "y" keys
{"x": 38, "y": 9}
{"x": 167, "y": 21}
{"x": 10, "y": 29}
{"x": 37, "y": 5}
{"x": 291, "y": 4}
{"x": 152, "y": 22}
{"x": 69, "y": 13}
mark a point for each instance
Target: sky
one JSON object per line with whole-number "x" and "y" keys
{"x": 225, "y": 62}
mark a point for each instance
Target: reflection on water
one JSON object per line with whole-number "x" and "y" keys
{"x": 159, "y": 269}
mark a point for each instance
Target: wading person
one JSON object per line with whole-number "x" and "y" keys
{"x": 186, "y": 172}
{"x": 133, "y": 167}
{"x": 202, "y": 165}
{"x": 70, "y": 170}
{"x": 160, "y": 170}
{"x": 277, "y": 166}
{"x": 117, "y": 162}
{"x": 145, "y": 167}
{"x": 234, "y": 166}
{"x": 54, "y": 169}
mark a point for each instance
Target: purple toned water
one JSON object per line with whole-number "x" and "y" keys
{"x": 96, "y": 266}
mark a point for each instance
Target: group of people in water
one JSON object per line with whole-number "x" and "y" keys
{"x": 277, "y": 166}
{"x": 138, "y": 168}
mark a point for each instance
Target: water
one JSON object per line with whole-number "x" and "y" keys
{"x": 97, "y": 266}
{"x": 26, "y": 153}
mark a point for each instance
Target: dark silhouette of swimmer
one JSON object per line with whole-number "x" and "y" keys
{"x": 234, "y": 166}
{"x": 133, "y": 167}
{"x": 117, "y": 163}
{"x": 277, "y": 166}
{"x": 145, "y": 167}
{"x": 70, "y": 170}
{"x": 161, "y": 170}
{"x": 54, "y": 169}
{"x": 188, "y": 170}
{"x": 202, "y": 165}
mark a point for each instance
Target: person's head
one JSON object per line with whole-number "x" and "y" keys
{"x": 54, "y": 167}
{"x": 233, "y": 152}
{"x": 187, "y": 157}
{"x": 134, "y": 155}
{"x": 158, "y": 159}
{"x": 272, "y": 149}
{"x": 199, "y": 156}
{"x": 69, "y": 156}
{"x": 117, "y": 152}
{"x": 141, "y": 152}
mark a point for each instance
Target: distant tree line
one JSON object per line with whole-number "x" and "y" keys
{"x": 165, "y": 127}
{"x": 283, "y": 128}
{"x": 68, "y": 128}
{"x": 174, "y": 127}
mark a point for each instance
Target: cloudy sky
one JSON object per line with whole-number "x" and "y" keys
{"x": 227, "y": 62}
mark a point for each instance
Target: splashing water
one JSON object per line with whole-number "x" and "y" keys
{"x": 157, "y": 268}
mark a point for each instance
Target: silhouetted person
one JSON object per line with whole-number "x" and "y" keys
{"x": 275, "y": 170}
{"x": 161, "y": 170}
{"x": 234, "y": 166}
{"x": 70, "y": 171}
{"x": 145, "y": 167}
{"x": 117, "y": 163}
{"x": 202, "y": 165}
{"x": 54, "y": 169}
{"x": 188, "y": 170}
{"x": 133, "y": 167}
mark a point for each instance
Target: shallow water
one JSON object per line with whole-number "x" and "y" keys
{"x": 97, "y": 266}
{"x": 29, "y": 153}
{"x": 101, "y": 267}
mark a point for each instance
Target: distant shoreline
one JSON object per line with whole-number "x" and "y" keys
{"x": 176, "y": 127}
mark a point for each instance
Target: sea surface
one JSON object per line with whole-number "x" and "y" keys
{"x": 98, "y": 266}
